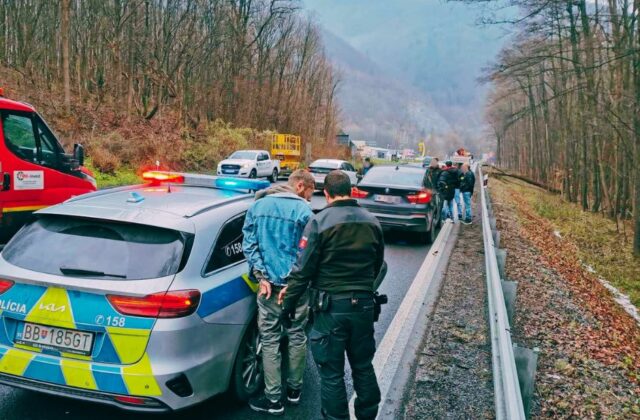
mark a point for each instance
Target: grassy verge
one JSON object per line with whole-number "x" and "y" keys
{"x": 122, "y": 176}
{"x": 600, "y": 243}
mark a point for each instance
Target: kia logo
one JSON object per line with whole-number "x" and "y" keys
{"x": 51, "y": 307}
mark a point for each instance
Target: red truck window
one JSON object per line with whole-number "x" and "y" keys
{"x": 19, "y": 135}
{"x": 39, "y": 146}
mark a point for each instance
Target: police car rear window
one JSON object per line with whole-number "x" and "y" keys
{"x": 96, "y": 249}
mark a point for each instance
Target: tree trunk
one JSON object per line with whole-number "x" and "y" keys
{"x": 64, "y": 34}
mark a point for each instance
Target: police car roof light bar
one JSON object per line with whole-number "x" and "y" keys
{"x": 163, "y": 176}
{"x": 198, "y": 180}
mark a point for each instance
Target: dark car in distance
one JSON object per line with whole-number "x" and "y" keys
{"x": 397, "y": 197}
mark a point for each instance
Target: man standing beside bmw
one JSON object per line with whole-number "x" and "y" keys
{"x": 272, "y": 229}
{"x": 341, "y": 254}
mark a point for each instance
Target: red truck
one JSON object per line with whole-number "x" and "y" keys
{"x": 35, "y": 171}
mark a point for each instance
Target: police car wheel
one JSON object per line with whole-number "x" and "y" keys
{"x": 247, "y": 371}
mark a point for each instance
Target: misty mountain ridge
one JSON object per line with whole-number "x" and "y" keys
{"x": 432, "y": 50}
{"x": 376, "y": 106}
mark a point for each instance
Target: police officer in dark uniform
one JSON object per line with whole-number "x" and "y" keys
{"x": 341, "y": 254}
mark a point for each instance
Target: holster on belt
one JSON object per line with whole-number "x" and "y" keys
{"x": 320, "y": 300}
{"x": 378, "y": 301}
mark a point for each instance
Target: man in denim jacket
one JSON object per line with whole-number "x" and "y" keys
{"x": 272, "y": 230}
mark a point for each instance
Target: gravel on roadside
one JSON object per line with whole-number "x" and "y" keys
{"x": 453, "y": 378}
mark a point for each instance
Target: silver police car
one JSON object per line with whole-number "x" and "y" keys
{"x": 136, "y": 297}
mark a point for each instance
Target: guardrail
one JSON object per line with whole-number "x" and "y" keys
{"x": 508, "y": 398}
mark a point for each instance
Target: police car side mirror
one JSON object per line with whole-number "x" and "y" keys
{"x": 78, "y": 153}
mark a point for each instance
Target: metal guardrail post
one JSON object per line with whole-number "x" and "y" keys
{"x": 508, "y": 399}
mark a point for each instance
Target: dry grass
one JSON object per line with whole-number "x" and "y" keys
{"x": 600, "y": 243}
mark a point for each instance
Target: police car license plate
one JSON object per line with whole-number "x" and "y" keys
{"x": 54, "y": 338}
{"x": 390, "y": 199}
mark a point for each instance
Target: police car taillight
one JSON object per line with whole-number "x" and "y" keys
{"x": 162, "y": 176}
{"x": 158, "y": 305}
{"x": 5, "y": 285}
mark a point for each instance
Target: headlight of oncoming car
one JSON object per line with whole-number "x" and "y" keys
{"x": 245, "y": 165}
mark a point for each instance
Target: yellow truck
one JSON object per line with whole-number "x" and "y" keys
{"x": 286, "y": 148}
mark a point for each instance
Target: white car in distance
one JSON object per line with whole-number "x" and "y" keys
{"x": 321, "y": 167}
{"x": 250, "y": 164}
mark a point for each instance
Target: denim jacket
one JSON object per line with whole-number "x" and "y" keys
{"x": 272, "y": 230}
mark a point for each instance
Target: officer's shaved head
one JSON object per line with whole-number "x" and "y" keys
{"x": 337, "y": 184}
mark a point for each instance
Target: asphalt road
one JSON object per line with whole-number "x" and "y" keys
{"x": 404, "y": 257}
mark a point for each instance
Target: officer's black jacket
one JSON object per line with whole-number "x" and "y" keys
{"x": 341, "y": 250}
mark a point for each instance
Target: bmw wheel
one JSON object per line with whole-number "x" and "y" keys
{"x": 438, "y": 213}
{"x": 247, "y": 371}
{"x": 429, "y": 236}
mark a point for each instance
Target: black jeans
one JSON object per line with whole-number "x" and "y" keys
{"x": 346, "y": 327}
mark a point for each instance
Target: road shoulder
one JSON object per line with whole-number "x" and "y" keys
{"x": 452, "y": 376}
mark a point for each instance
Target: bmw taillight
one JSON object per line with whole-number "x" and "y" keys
{"x": 422, "y": 197}
{"x": 357, "y": 193}
{"x": 5, "y": 285}
{"x": 158, "y": 305}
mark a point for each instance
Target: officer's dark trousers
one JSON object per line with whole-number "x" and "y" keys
{"x": 346, "y": 327}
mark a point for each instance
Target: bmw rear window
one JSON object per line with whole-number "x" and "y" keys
{"x": 323, "y": 167}
{"x": 97, "y": 249}
{"x": 389, "y": 175}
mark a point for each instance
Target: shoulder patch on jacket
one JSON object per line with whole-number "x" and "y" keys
{"x": 303, "y": 242}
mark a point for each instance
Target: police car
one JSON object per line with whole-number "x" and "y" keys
{"x": 136, "y": 297}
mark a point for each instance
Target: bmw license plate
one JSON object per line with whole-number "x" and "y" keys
{"x": 389, "y": 199}
{"x": 54, "y": 338}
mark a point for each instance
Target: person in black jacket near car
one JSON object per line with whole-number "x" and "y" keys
{"x": 466, "y": 187}
{"x": 432, "y": 174}
{"x": 341, "y": 254}
{"x": 448, "y": 183}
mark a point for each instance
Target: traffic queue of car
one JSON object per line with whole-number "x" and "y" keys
{"x": 143, "y": 300}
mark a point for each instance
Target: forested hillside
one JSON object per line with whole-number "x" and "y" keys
{"x": 160, "y": 73}
{"x": 566, "y": 105}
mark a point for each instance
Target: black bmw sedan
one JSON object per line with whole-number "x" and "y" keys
{"x": 397, "y": 197}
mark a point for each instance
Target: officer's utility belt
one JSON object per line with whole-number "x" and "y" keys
{"x": 321, "y": 300}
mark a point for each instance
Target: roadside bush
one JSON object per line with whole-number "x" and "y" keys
{"x": 104, "y": 160}
{"x": 219, "y": 140}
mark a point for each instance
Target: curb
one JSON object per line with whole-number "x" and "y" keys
{"x": 402, "y": 334}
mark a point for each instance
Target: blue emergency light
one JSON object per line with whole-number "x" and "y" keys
{"x": 242, "y": 184}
